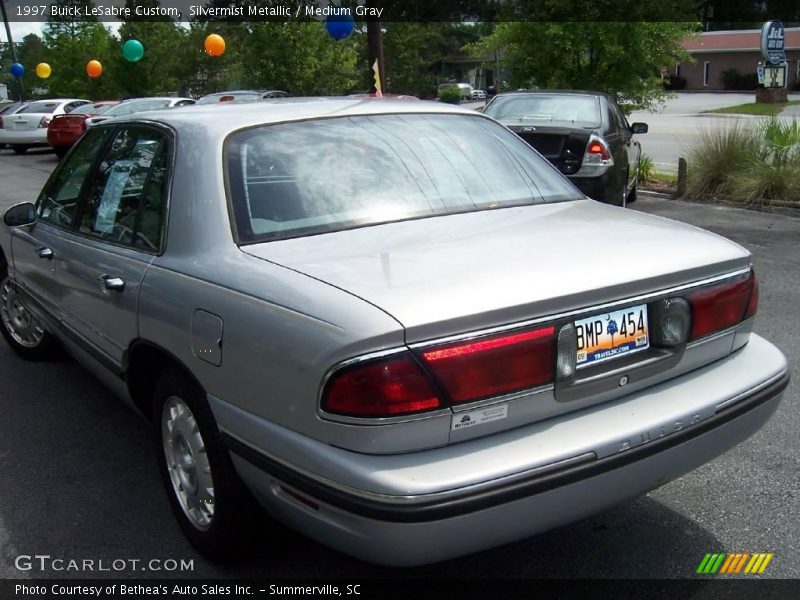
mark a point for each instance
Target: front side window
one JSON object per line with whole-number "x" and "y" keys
{"x": 125, "y": 197}
{"x": 311, "y": 177}
{"x": 58, "y": 202}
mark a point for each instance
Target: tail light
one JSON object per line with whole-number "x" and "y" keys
{"x": 723, "y": 305}
{"x": 384, "y": 388}
{"x": 44, "y": 122}
{"x": 597, "y": 152}
{"x": 493, "y": 365}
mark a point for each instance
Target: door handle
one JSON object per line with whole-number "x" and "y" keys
{"x": 45, "y": 252}
{"x": 112, "y": 283}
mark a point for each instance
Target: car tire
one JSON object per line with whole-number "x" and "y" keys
{"x": 632, "y": 194}
{"x": 212, "y": 505}
{"x": 61, "y": 152}
{"x": 26, "y": 335}
{"x": 19, "y": 149}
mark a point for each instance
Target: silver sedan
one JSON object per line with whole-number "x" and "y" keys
{"x": 394, "y": 325}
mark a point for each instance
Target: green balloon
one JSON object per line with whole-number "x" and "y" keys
{"x": 133, "y": 51}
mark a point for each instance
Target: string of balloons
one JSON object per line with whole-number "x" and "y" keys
{"x": 132, "y": 51}
{"x": 339, "y": 27}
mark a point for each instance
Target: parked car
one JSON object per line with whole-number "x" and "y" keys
{"x": 478, "y": 94}
{"x": 64, "y": 130}
{"x": 28, "y": 126}
{"x": 584, "y": 134}
{"x": 134, "y": 105}
{"x": 242, "y": 96}
{"x": 7, "y": 109}
{"x": 386, "y": 320}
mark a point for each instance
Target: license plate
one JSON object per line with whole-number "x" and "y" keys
{"x": 610, "y": 335}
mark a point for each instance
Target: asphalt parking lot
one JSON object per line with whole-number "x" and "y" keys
{"x": 78, "y": 474}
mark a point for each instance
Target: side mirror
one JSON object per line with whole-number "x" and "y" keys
{"x": 639, "y": 127}
{"x": 20, "y": 214}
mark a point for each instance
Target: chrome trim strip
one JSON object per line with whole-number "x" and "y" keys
{"x": 731, "y": 401}
{"x": 412, "y": 499}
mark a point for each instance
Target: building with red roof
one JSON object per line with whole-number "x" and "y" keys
{"x": 715, "y": 52}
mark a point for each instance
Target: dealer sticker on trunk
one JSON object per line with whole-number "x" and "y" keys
{"x": 478, "y": 417}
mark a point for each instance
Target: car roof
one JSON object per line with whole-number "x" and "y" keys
{"x": 229, "y": 116}
{"x": 559, "y": 92}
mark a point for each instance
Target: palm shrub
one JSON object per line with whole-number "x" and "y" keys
{"x": 647, "y": 168}
{"x": 774, "y": 174}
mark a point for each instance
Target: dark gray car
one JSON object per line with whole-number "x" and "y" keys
{"x": 384, "y": 320}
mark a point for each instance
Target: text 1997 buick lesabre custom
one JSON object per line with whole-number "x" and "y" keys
{"x": 395, "y": 324}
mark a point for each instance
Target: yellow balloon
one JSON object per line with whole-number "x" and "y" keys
{"x": 43, "y": 70}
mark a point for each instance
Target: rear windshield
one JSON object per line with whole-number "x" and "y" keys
{"x": 317, "y": 176}
{"x": 40, "y": 107}
{"x": 91, "y": 109}
{"x": 132, "y": 106}
{"x": 232, "y": 97}
{"x": 569, "y": 108}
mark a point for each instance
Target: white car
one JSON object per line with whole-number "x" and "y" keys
{"x": 28, "y": 127}
{"x": 135, "y": 105}
{"x": 479, "y": 94}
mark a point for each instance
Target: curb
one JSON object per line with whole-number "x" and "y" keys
{"x": 777, "y": 207}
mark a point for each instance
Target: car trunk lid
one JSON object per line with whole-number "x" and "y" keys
{"x": 562, "y": 146}
{"x": 25, "y": 121}
{"x": 445, "y": 276}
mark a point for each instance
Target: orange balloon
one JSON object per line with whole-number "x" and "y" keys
{"x": 94, "y": 69}
{"x": 215, "y": 45}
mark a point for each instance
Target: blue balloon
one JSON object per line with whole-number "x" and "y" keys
{"x": 17, "y": 70}
{"x": 340, "y": 26}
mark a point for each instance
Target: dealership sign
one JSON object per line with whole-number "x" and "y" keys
{"x": 772, "y": 42}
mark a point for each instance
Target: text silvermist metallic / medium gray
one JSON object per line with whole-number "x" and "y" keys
{"x": 403, "y": 330}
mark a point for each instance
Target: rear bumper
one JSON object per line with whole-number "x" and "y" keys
{"x": 597, "y": 188}
{"x": 387, "y": 526}
{"x": 27, "y": 137}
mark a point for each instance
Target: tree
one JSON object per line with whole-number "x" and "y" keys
{"x": 71, "y": 44}
{"x": 299, "y": 57}
{"x": 623, "y": 59}
{"x": 611, "y": 329}
{"x": 156, "y": 72}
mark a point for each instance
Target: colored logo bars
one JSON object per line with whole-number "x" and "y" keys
{"x": 736, "y": 562}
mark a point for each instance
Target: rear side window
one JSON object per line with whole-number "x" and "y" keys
{"x": 311, "y": 177}
{"x": 58, "y": 202}
{"x": 125, "y": 197}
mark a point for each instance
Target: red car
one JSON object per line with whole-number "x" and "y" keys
{"x": 65, "y": 130}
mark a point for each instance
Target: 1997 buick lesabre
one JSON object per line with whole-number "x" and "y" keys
{"x": 394, "y": 324}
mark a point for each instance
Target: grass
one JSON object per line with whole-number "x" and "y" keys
{"x": 765, "y": 109}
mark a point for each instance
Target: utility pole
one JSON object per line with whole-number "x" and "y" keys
{"x": 375, "y": 50}
{"x": 11, "y": 45}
